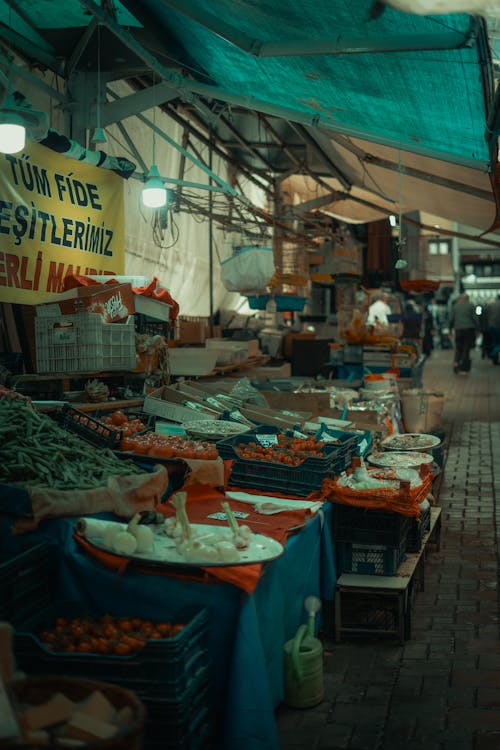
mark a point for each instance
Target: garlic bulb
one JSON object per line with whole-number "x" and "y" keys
{"x": 109, "y": 535}
{"x": 142, "y": 534}
{"x": 227, "y": 552}
{"x": 125, "y": 543}
{"x": 144, "y": 538}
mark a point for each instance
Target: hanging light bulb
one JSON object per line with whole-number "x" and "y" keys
{"x": 12, "y": 134}
{"x": 154, "y": 193}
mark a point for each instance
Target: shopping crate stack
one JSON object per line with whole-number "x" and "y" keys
{"x": 418, "y": 527}
{"x": 171, "y": 675}
{"x": 369, "y": 542}
{"x": 27, "y": 582}
{"x": 299, "y": 480}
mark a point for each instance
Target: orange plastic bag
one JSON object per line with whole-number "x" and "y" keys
{"x": 405, "y": 499}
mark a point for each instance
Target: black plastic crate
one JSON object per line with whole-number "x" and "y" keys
{"x": 418, "y": 527}
{"x": 301, "y": 479}
{"x": 186, "y": 724}
{"x": 89, "y": 428}
{"x": 27, "y": 583}
{"x": 371, "y": 614}
{"x": 369, "y": 559}
{"x": 288, "y": 486}
{"x": 163, "y": 669}
{"x": 150, "y": 326}
{"x": 352, "y": 524}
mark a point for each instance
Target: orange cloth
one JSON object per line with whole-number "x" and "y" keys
{"x": 201, "y": 502}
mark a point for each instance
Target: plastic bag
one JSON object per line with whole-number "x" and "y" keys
{"x": 249, "y": 270}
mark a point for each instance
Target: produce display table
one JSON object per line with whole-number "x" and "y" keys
{"x": 382, "y": 605}
{"x": 247, "y": 632}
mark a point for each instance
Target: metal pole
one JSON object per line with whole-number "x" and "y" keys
{"x": 210, "y": 240}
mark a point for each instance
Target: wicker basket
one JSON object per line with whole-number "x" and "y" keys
{"x": 37, "y": 690}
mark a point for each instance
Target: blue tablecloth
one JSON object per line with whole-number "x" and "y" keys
{"x": 247, "y": 632}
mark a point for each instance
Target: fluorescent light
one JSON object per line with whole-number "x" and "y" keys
{"x": 12, "y": 137}
{"x": 392, "y": 220}
{"x": 154, "y": 193}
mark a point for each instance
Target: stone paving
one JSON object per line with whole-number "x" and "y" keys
{"x": 441, "y": 689}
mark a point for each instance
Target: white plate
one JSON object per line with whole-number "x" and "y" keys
{"x": 261, "y": 549}
{"x": 410, "y": 441}
{"x": 394, "y": 459}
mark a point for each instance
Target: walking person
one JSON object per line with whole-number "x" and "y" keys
{"x": 465, "y": 323}
{"x": 494, "y": 329}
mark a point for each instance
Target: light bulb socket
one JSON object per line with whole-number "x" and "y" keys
{"x": 99, "y": 136}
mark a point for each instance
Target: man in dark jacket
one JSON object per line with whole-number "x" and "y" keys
{"x": 494, "y": 329}
{"x": 465, "y": 323}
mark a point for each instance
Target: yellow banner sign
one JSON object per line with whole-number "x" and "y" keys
{"x": 58, "y": 217}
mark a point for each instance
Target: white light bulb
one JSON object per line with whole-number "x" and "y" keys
{"x": 12, "y": 138}
{"x": 154, "y": 193}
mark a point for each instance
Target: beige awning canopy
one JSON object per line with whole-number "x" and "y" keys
{"x": 386, "y": 180}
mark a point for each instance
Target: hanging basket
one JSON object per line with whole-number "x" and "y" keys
{"x": 419, "y": 286}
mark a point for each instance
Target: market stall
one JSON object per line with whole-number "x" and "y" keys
{"x": 246, "y": 631}
{"x": 204, "y": 461}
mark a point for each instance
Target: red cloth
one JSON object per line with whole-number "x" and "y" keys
{"x": 203, "y": 501}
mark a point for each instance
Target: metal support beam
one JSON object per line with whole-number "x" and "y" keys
{"x": 15, "y": 72}
{"x": 188, "y": 88}
{"x": 134, "y": 103}
{"x": 255, "y": 178}
{"x": 364, "y": 45}
{"x": 243, "y": 143}
{"x": 29, "y": 49}
{"x": 419, "y": 174}
{"x": 82, "y": 43}
{"x": 333, "y": 46}
{"x": 309, "y": 139}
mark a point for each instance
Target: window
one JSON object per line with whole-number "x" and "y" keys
{"x": 439, "y": 247}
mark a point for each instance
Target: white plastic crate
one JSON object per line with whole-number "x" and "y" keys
{"x": 83, "y": 343}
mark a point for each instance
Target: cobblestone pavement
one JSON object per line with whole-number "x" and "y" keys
{"x": 441, "y": 689}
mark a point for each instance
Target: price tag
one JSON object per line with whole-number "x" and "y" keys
{"x": 325, "y": 437}
{"x": 267, "y": 440}
{"x": 363, "y": 445}
{"x": 298, "y": 434}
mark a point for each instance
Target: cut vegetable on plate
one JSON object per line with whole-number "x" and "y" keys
{"x": 410, "y": 441}
{"x": 404, "y": 459}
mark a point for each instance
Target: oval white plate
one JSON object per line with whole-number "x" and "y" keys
{"x": 410, "y": 441}
{"x": 394, "y": 459}
{"x": 261, "y": 549}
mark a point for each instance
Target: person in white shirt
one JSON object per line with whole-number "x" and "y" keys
{"x": 378, "y": 312}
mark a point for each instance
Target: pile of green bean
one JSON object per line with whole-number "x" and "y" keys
{"x": 35, "y": 451}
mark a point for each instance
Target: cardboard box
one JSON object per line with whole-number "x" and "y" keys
{"x": 114, "y": 302}
{"x": 169, "y": 403}
{"x": 274, "y": 417}
{"x": 268, "y": 373}
{"x": 313, "y": 403}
